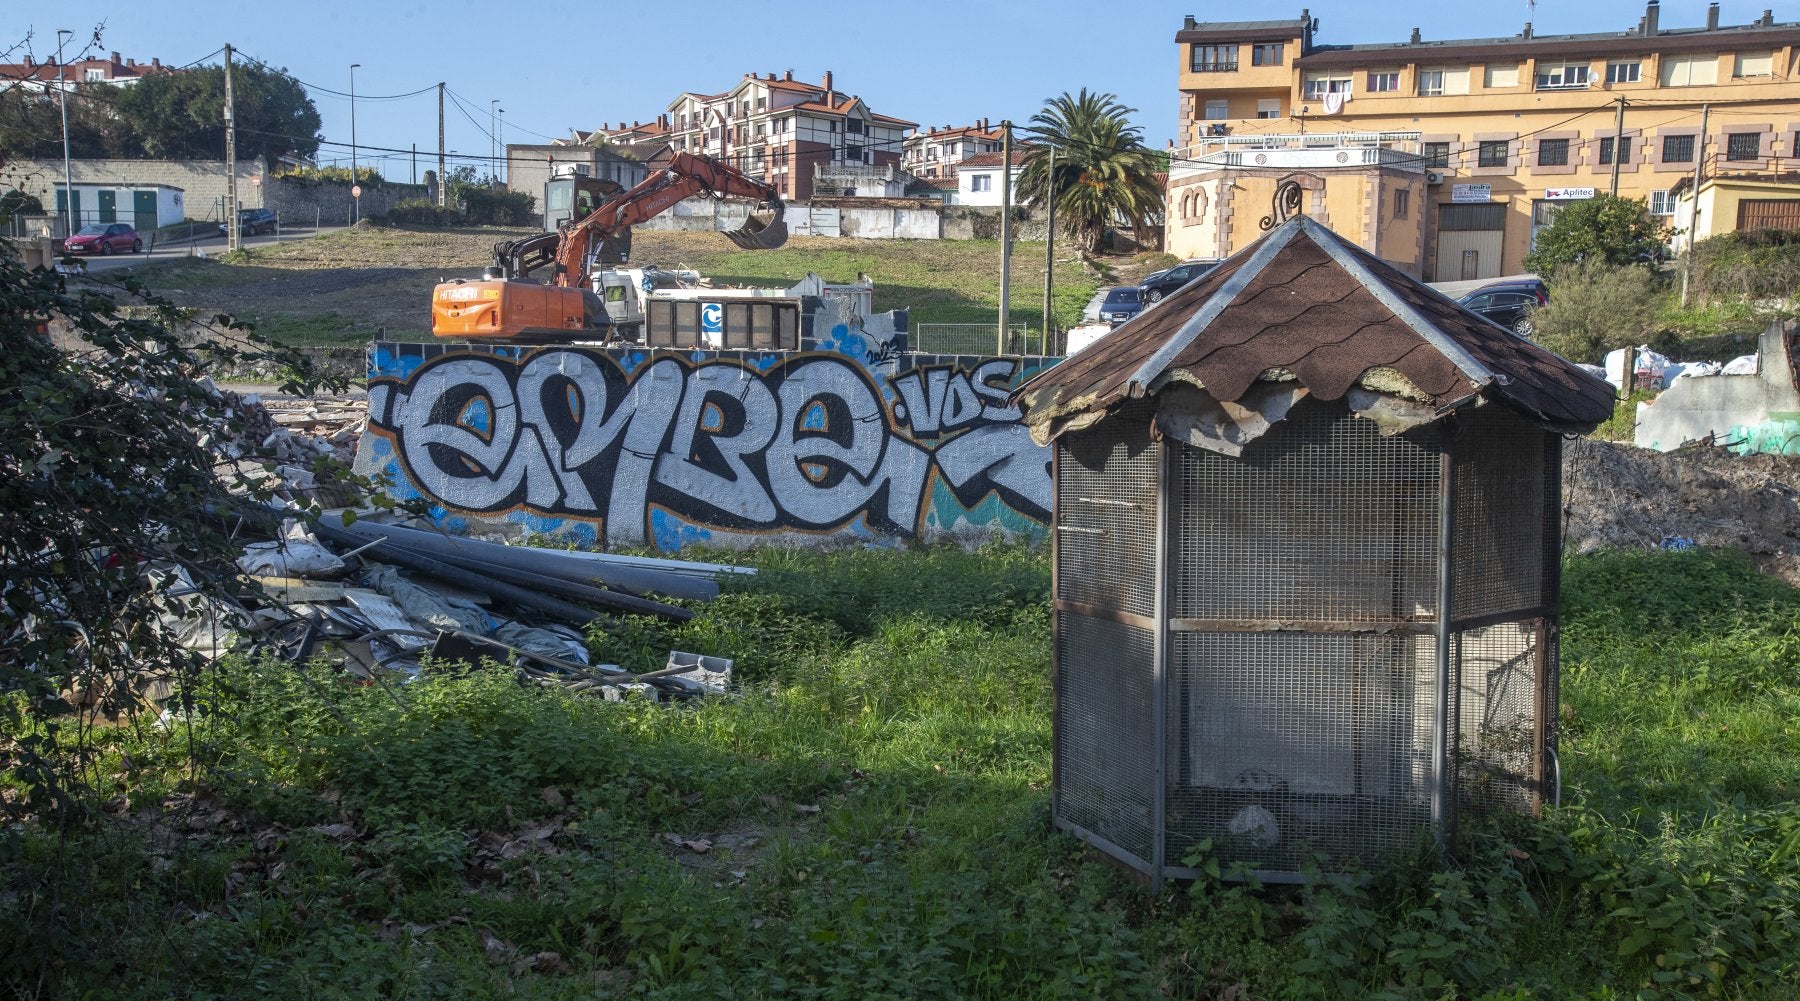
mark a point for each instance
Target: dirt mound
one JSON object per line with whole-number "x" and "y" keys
{"x": 1620, "y": 495}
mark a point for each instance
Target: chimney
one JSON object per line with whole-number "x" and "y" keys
{"x": 663, "y": 120}
{"x": 1188, "y": 23}
{"x": 1712, "y": 17}
{"x": 827, "y": 86}
{"x": 29, "y": 61}
{"x": 1768, "y": 19}
{"x": 1527, "y": 32}
{"x": 788, "y": 76}
{"x": 115, "y": 57}
{"x": 1652, "y": 13}
{"x": 1415, "y": 37}
{"x": 155, "y": 63}
{"x": 131, "y": 62}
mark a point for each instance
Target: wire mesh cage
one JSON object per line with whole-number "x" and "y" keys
{"x": 1253, "y": 651}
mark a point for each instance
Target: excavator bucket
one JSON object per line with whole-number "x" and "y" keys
{"x": 764, "y": 230}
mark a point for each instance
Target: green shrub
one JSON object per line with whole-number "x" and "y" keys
{"x": 1732, "y": 267}
{"x": 1596, "y": 307}
{"x": 485, "y": 206}
{"x": 1622, "y": 425}
{"x": 420, "y": 212}
{"x": 1616, "y": 231}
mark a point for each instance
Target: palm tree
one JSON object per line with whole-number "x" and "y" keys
{"x": 1104, "y": 172}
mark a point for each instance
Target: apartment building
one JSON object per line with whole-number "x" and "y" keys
{"x": 936, "y": 151}
{"x": 1447, "y": 157}
{"x": 32, "y": 75}
{"x": 782, "y": 130}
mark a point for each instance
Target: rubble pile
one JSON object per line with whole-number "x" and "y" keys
{"x": 291, "y": 435}
{"x": 1625, "y": 496}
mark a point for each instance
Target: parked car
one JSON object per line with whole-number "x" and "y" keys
{"x": 1159, "y": 284}
{"x": 254, "y": 221}
{"x": 104, "y": 238}
{"x": 1121, "y": 304}
{"x": 1509, "y": 304}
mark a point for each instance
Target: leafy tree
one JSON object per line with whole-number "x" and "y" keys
{"x": 1616, "y": 231}
{"x": 1104, "y": 172}
{"x": 31, "y": 124}
{"x": 111, "y": 502}
{"x": 1597, "y": 307}
{"x": 180, "y": 116}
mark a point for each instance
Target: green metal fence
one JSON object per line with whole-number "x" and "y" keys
{"x": 976, "y": 339}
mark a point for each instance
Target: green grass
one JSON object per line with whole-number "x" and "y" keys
{"x": 891, "y": 759}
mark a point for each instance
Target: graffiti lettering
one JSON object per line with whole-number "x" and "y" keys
{"x": 807, "y": 442}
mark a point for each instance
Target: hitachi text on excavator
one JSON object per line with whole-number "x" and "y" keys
{"x": 509, "y": 304}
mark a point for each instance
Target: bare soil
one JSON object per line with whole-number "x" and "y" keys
{"x": 1618, "y": 495}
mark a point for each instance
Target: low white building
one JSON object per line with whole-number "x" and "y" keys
{"x": 978, "y": 178}
{"x": 853, "y": 180}
{"x": 144, "y": 206}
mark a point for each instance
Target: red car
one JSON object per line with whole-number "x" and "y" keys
{"x": 104, "y": 238}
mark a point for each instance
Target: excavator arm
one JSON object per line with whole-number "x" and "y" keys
{"x": 686, "y": 175}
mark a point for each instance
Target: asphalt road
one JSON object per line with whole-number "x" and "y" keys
{"x": 214, "y": 244}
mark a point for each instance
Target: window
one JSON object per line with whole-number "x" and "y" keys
{"x": 1402, "y": 203}
{"x": 1689, "y": 71}
{"x": 97, "y": 75}
{"x": 1266, "y": 54}
{"x": 834, "y": 126}
{"x": 1382, "y": 83}
{"x": 1213, "y": 59}
{"x": 1743, "y": 146}
{"x": 1268, "y": 107}
{"x": 1661, "y": 203}
{"x": 762, "y": 104}
{"x": 1553, "y": 152}
{"x": 1623, "y": 72}
{"x": 931, "y": 153}
{"x": 1493, "y": 153}
{"x": 1495, "y": 77}
{"x": 1606, "y": 149}
{"x": 1431, "y": 83}
{"x": 1318, "y": 86}
{"x": 1678, "y": 149}
{"x": 1562, "y": 76}
{"x": 1754, "y": 64}
{"x": 981, "y": 182}
{"x": 1437, "y": 154}
{"x": 1217, "y": 110}
{"x": 854, "y": 125}
{"x": 853, "y": 152}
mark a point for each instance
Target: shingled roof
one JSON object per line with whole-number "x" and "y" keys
{"x": 1304, "y": 308}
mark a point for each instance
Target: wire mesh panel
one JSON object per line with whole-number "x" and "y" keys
{"x": 1283, "y": 747}
{"x": 1108, "y": 479}
{"x": 1496, "y": 672}
{"x": 1105, "y": 754}
{"x": 1320, "y": 520}
{"x": 1500, "y": 547}
{"x": 1106, "y": 551}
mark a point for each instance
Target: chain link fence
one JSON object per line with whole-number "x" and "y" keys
{"x": 977, "y": 339}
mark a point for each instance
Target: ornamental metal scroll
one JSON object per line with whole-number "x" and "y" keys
{"x": 1285, "y": 205}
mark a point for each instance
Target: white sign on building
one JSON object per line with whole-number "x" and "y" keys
{"x": 1460, "y": 193}
{"x": 1567, "y": 194}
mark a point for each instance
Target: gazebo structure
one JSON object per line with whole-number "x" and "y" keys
{"x": 1307, "y": 537}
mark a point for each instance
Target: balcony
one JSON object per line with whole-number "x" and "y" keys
{"x": 1312, "y": 151}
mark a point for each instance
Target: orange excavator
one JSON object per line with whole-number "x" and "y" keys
{"x": 508, "y": 304}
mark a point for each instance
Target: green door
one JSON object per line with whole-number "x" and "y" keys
{"x": 109, "y": 205}
{"x": 143, "y": 211}
{"x": 62, "y": 206}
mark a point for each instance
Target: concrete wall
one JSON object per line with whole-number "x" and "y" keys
{"x": 302, "y": 202}
{"x": 202, "y": 182}
{"x": 847, "y": 443}
{"x": 1748, "y": 413}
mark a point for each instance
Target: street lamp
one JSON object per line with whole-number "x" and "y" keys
{"x": 500, "y": 140}
{"x": 355, "y": 185}
{"x": 62, "y": 89}
{"x": 493, "y": 170}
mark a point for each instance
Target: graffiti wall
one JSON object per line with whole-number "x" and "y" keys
{"x": 623, "y": 446}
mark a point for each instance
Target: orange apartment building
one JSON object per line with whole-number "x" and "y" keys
{"x": 1446, "y": 157}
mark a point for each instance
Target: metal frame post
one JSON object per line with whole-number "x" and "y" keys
{"x": 1159, "y": 673}
{"x": 1440, "y": 737}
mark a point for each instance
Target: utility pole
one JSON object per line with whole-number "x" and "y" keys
{"x": 355, "y": 184}
{"x": 1618, "y": 147}
{"x": 62, "y": 90}
{"x": 1049, "y": 247}
{"x": 443, "y": 182}
{"x": 234, "y": 240}
{"x": 1687, "y": 266}
{"x": 415, "y": 172}
{"x": 1005, "y": 226}
{"x": 493, "y": 116}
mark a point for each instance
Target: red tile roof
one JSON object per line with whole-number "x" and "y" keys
{"x": 1019, "y": 156}
{"x": 1305, "y": 301}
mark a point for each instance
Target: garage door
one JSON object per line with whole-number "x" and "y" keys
{"x": 1470, "y": 241}
{"x": 1769, "y": 213}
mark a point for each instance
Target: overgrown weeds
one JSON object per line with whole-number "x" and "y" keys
{"x": 874, "y": 812}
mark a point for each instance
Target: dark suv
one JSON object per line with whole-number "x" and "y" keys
{"x": 1161, "y": 283}
{"x": 1121, "y": 304}
{"x": 254, "y": 221}
{"x": 1509, "y": 303}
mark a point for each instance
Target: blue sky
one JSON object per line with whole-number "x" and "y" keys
{"x": 557, "y": 65}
